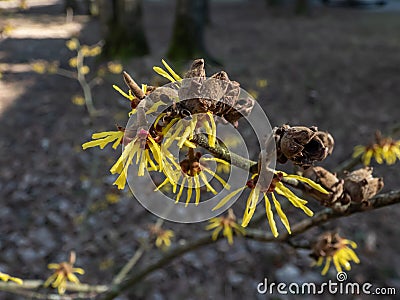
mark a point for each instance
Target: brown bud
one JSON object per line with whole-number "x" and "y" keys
{"x": 361, "y": 185}
{"x": 133, "y": 86}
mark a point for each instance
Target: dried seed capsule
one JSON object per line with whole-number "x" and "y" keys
{"x": 302, "y": 145}
{"x": 361, "y": 185}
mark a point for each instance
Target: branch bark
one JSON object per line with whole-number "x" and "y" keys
{"x": 321, "y": 217}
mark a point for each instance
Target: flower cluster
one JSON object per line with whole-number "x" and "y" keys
{"x": 150, "y": 144}
{"x": 383, "y": 150}
{"x": 331, "y": 247}
{"x": 186, "y": 109}
{"x": 63, "y": 272}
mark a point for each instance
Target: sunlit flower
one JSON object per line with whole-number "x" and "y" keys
{"x": 23, "y": 5}
{"x": 63, "y": 272}
{"x": 115, "y": 68}
{"x": 102, "y": 139}
{"x": 6, "y": 277}
{"x": 330, "y": 247}
{"x": 85, "y": 50}
{"x": 183, "y": 131}
{"x": 39, "y": 67}
{"x": 78, "y": 100}
{"x": 72, "y": 44}
{"x": 191, "y": 172}
{"x": 223, "y": 168}
{"x": 277, "y": 186}
{"x": 227, "y": 225}
{"x": 94, "y": 51}
{"x": 170, "y": 75}
{"x": 73, "y": 62}
{"x": 84, "y": 70}
{"x": 141, "y": 147}
{"x": 163, "y": 236}
{"x": 382, "y": 150}
{"x": 6, "y": 30}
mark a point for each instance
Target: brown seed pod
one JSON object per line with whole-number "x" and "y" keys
{"x": 302, "y": 145}
{"x": 336, "y": 198}
{"x": 361, "y": 185}
{"x": 327, "y": 140}
{"x": 217, "y": 94}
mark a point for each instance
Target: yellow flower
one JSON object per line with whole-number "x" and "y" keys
{"x": 94, "y": 51}
{"x": 112, "y": 198}
{"x": 39, "y": 67}
{"x": 78, "y": 100}
{"x": 84, "y": 70}
{"x": 141, "y": 146}
{"x": 63, "y": 272}
{"x": 115, "y": 68}
{"x": 6, "y": 29}
{"x": 275, "y": 186}
{"x": 6, "y": 277}
{"x": 73, "y": 62}
{"x": 227, "y": 225}
{"x": 85, "y": 50}
{"x": 171, "y": 76}
{"x": 183, "y": 132}
{"x": 190, "y": 171}
{"x": 262, "y": 83}
{"x": 23, "y": 5}
{"x": 102, "y": 139}
{"x": 163, "y": 236}
{"x": 72, "y": 44}
{"x": 223, "y": 168}
{"x": 382, "y": 150}
{"x": 331, "y": 247}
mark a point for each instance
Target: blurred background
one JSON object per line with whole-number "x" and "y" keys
{"x": 334, "y": 64}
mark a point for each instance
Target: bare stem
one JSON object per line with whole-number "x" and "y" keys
{"x": 221, "y": 152}
{"x": 87, "y": 91}
{"x": 25, "y": 289}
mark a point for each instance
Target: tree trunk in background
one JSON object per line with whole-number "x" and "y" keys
{"x": 187, "y": 41}
{"x": 302, "y": 7}
{"x": 123, "y": 30}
